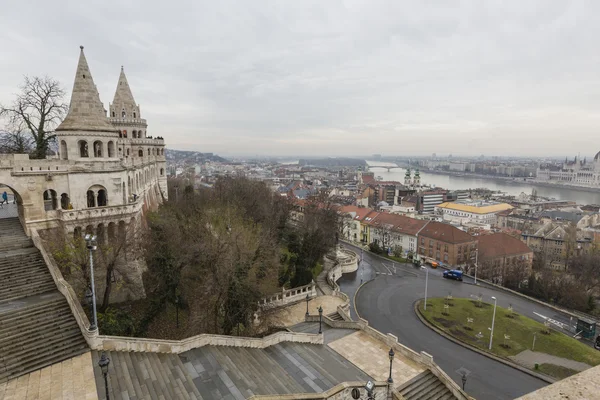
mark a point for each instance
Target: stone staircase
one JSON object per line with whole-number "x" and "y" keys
{"x": 37, "y": 328}
{"x": 425, "y": 386}
{"x": 335, "y": 316}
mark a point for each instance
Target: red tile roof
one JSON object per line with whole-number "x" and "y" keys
{"x": 360, "y": 212}
{"x": 445, "y": 233}
{"x": 397, "y": 223}
{"x": 500, "y": 245}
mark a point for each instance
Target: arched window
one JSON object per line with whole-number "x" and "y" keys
{"x": 63, "y": 150}
{"x": 125, "y": 134}
{"x": 64, "y": 201}
{"x": 148, "y": 151}
{"x": 153, "y": 151}
{"x": 97, "y": 148}
{"x": 102, "y": 199}
{"x": 113, "y": 114}
{"x": 120, "y": 134}
{"x": 134, "y": 115}
{"x": 77, "y": 233}
{"x": 140, "y": 153}
{"x": 91, "y": 199}
{"x": 111, "y": 231}
{"x": 111, "y": 149}
{"x": 83, "y": 149}
{"x": 134, "y": 134}
{"x": 123, "y": 114}
{"x": 50, "y": 200}
{"x": 162, "y": 171}
{"x": 127, "y": 152}
{"x": 101, "y": 234}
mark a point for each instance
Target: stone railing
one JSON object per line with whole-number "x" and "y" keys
{"x": 65, "y": 288}
{"x": 289, "y": 296}
{"x": 341, "y": 391}
{"x": 390, "y": 340}
{"x": 117, "y": 343}
{"x": 100, "y": 212}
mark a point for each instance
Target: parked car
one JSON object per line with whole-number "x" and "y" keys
{"x": 453, "y": 274}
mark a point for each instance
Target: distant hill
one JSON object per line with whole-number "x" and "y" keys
{"x": 334, "y": 162}
{"x": 192, "y": 156}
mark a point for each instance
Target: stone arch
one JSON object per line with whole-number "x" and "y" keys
{"x": 134, "y": 134}
{"x": 162, "y": 171}
{"x": 50, "y": 200}
{"x": 148, "y": 151}
{"x": 64, "y": 201}
{"x": 111, "y": 149}
{"x": 128, "y": 152}
{"x": 134, "y": 115}
{"x": 83, "y": 148}
{"x": 111, "y": 231}
{"x": 64, "y": 155}
{"x": 90, "y": 199}
{"x": 123, "y": 114}
{"x": 97, "y": 196}
{"x": 101, "y": 233}
{"x": 122, "y": 230}
{"x": 102, "y": 199}
{"x": 77, "y": 233}
{"x": 113, "y": 114}
{"x": 98, "y": 148}
{"x": 89, "y": 230}
{"x": 140, "y": 152}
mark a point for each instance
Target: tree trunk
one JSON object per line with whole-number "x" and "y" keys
{"x": 107, "y": 290}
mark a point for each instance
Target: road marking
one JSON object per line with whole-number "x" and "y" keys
{"x": 553, "y": 321}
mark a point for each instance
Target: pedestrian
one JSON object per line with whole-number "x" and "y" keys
{"x": 4, "y": 198}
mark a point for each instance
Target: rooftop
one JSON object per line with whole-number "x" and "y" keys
{"x": 445, "y": 233}
{"x": 500, "y": 244}
{"x": 476, "y": 207}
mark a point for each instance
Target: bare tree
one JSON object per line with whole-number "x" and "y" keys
{"x": 13, "y": 140}
{"x": 38, "y": 108}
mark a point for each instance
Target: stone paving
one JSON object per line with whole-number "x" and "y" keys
{"x": 371, "y": 356}
{"x": 529, "y": 358}
{"x": 583, "y": 386}
{"x": 71, "y": 379}
{"x": 294, "y": 314}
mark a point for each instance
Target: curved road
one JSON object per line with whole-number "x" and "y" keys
{"x": 386, "y": 301}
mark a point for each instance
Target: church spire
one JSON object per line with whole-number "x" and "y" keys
{"x": 86, "y": 112}
{"x": 123, "y": 104}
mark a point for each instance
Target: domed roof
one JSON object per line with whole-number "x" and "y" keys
{"x": 597, "y": 157}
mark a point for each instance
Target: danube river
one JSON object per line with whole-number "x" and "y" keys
{"x": 465, "y": 182}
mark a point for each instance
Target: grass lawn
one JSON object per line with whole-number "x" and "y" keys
{"x": 556, "y": 371}
{"x": 397, "y": 259}
{"x": 520, "y": 329}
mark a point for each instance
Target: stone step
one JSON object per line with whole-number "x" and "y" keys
{"x": 44, "y": 359}
{"x": 16, "y": 257}
{"x": 32, "y": 344}
{"x": 20, "y": 265}
{"x": 32, "y": 307}
{"x": 26, "y": 291}
{"x": 8, "y": 320}
{"x": 32, "y": 322}
{"x": 27, "y": 277}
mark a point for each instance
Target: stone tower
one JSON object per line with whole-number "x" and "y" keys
{"x": 86, "y": 132}
{"x": 407, "y": 180}
{"x": 417, "y": 180}
{"x": 125, "y": 114}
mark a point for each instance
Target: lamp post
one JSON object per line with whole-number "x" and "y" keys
{"x": 369, "y": 388}
{"x": 493, "y": 320}
{"x": 426, "y": 281}
{"x": 90, "y": 241}
{"x": 320, "y": 319}
{"x": 88, "y": 299}
{"x": 307, "y": 299}
{"x": 177, "y": 310}
{"x": 476, "y": 255}
{"x": 391, "y": 354}
{"x": 103, "y": 363}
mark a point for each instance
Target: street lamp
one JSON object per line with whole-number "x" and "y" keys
{"x": 320, "y": 319}
{"x": 103, "y": 363}
{"x": 426, "y": 281}
{"x": 369, "y": 388}
{"x": 391, "y": 354}
{"x": 493, "y": 320}
{"x": 307, "y": 299}
{"x": 476, "y": 254}
{"x": 90, "y": 241}
{"x": 88, "y": 299}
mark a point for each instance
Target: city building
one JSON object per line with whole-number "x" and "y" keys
{"x": 479, "y": 211}
{"x": 446, "y": 244}
{"x": 499, "y": 253}
{"x": 393, "y": 231}
{"x": 108, "y": 170}
{"x": 578, "y": 172}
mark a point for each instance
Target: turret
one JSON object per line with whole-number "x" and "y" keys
{"x": 407, "y": 180}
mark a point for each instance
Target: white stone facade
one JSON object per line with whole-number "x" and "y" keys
{"x": 576, "y": 172}
{"x": 101, "y": 175}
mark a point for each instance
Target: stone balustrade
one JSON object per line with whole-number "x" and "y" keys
{"x": 342, "y": 391}
{"x": 100, "y": 212}
{"x": 289, "y": 296}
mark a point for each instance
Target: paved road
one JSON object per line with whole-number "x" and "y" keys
{"x": 387, "y": 303}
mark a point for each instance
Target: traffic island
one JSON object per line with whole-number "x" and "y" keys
{"x": 518, "y": 340}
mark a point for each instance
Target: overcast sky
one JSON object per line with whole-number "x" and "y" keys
{"x": 330, "y": 77}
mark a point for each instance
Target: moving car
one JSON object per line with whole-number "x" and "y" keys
{"x": 453, "y": 274}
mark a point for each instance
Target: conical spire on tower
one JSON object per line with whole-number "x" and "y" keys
{"x": 123, "y": 104}
{"x": 86, "y": 112}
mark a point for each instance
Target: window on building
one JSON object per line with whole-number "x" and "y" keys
{"x": 50, "y": 200}
{"x": 430, "y": 252}
{"x": 122, "y": 114}
{"x": 423, "y": 241}
{"x": 445, "y": 258}
{"x": 140, "y": 153}
{"x": 111, "y": 149}
{"x": 446, "y": 248}
{"x": 83, "y": 149}
{"x": 97, "y": 148}
{"x": 438, "y": 246}
{"x": 437, "y": 255}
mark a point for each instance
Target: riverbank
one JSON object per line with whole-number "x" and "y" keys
{"x": 517, "y": 180}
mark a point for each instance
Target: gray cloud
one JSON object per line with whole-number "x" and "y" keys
{"x": 333, "y": 77}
